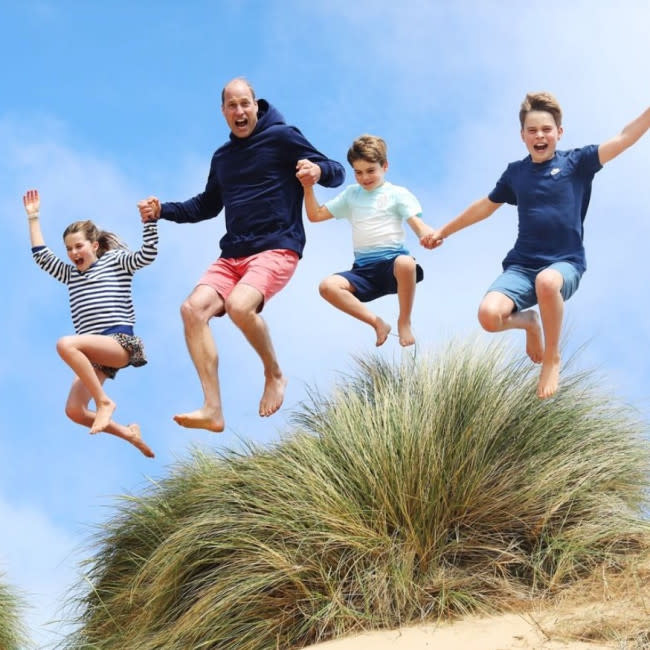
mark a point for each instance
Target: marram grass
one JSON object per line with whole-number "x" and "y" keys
{"x": 12, "y": 633}
{"x": 424, "y": 490}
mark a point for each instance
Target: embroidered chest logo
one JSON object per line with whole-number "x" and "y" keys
{"x": 382, "y": 201}
{"x": 555, "y": 170}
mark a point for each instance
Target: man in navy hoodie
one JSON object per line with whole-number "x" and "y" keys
{"x": 255, "y": 176}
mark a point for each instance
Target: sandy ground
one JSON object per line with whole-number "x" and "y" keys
{"x": 506, "y": 632}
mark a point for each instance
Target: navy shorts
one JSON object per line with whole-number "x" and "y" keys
{"x": 372, "y": 281}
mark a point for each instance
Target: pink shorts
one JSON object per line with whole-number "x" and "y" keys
{"x": 268, "y": 272}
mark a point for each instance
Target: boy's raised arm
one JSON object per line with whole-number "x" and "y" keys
{"x": 626, "y": 138}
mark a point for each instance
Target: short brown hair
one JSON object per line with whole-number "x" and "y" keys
{"x": 541, "y": 101}
{"x": 370, "y": 148}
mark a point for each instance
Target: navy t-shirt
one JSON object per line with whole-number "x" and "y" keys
{"x": 552, "y": 199}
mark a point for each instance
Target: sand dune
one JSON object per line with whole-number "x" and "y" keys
{"x": 505, "y": 632}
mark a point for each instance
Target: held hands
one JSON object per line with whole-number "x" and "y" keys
{"x": 149, "y": 209}
{"x": 32, "y": 203}
{"x": 307, "y": 172}
{"x": 431, "y": 239}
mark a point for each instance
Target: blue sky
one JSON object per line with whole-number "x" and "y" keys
{"x": 106, "y": 103}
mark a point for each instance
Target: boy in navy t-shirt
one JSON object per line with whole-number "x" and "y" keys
{"x": 551, "y": 190}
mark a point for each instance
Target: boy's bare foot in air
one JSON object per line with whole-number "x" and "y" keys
{"x": 135, "y": 438}
{"x": 534, "y": 336}
{"x": 383, "y": 330}
{"x": 549, "y": 378}
{"x": 273, "y": 395}
{"x": 203, "y": 418}
{"x": 406, "y": 336}
{"x": 103, "y": 415}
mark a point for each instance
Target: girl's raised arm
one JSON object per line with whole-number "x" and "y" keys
{"x": 32, "y": 203}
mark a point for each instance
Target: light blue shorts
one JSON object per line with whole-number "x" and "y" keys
{"x": 518, "y": 283}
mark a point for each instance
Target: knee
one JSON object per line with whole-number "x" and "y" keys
{"x": 63, "y": 345}
{"x": 75, "y": 412}
{"x": 404, "y": 264}
{"x": 239, "y": 313}
{"x": 547, "y": 284}
{"x": 491, "y": 320}
{"x": 326, "y": 288}
{"x": 190, "y": 313}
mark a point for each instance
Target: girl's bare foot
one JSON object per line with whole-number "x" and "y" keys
{"x": 382, "y": 328}
{"x": 534, "y": 337}
{"x": 549, "y": 378}
{"x": 406, "y": 336}
{"x": 135, "y": 438}
{"x": 273, "y": 395}
{"x": 203, "y": 418}
{"x": 103, "y": 415}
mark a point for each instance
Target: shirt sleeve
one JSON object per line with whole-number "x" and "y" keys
{"x": 503, "y": 192}
{"x": 339, "y": 206}
{"x": 588, "y": 161}
{"x": 407, "y": 205}
{"x": 133, "y": 260}
{"x": 51, "y": 264}
{"x": 332, "y": 172}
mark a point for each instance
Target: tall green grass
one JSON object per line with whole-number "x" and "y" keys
{"x": 12, "y": 632}
{"x": 421, "y": 490}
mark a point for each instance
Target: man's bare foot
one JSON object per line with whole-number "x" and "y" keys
{"x": 534, "y": 337}
{"x": 383, "y": 330}
{"x": 549, "y": 378}
{"x": 103, "y": 415}
{"x": 406, "y": 336}
{"x": 273, "y": 395}
{"x": 135, "y": 438}
{"x": 203, "y": 418}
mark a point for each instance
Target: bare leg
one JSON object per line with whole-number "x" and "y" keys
{"x": 404, "y": 271}
{"x": 496, "y": 315}
{"x": 80, "y": 352}
{"x": 548, "y": 285}
{"x": 77, "y": 410}
{"x": 197, "y": 310}
{"x": 242, "y": 305}
{"x": 340, "y": 293}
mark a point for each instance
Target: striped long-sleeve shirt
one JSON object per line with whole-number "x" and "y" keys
{"x": 100, "y": 296}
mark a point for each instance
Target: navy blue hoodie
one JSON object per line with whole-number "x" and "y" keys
{"x": 254, "y": 179}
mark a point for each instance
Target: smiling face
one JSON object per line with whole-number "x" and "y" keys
{"x": 239, "y": 108}
{"x": 81, "y": 251}
{"x": 540, "y": 134}
{"x": 370, "y": 175}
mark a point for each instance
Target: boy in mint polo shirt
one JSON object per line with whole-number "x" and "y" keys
{"x": 376, "y": 210}
{"x": 551, "y": 190}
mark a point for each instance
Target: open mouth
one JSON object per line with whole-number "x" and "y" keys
{"x": 240, "y": 124}
{"x": 541, "y": 147}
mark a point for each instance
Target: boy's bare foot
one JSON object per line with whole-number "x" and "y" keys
{"x": 534, "y": 337}
{"x": 406, "y": 336}
{"x": 383, "y": 330}
{"x": 135, "y": 438}
{"x": 273, "y": 395}
{"x": 549, "y": 378}
{"x": 203, "y": 418}
{"x": 103, "y": 415}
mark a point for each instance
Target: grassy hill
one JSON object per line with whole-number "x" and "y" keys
{"x": 416, "y": 491}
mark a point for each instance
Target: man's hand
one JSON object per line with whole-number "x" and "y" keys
{"x": 32, "y": 203}
{"x": 307, "y": 172}
{"x": 149, "y": 209}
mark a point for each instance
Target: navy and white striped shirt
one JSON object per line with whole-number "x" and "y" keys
{"x": 100, "y": 296}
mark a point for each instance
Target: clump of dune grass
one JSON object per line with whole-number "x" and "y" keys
{"x": 12, "y": 632}
{"x": 415, "y": 491}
